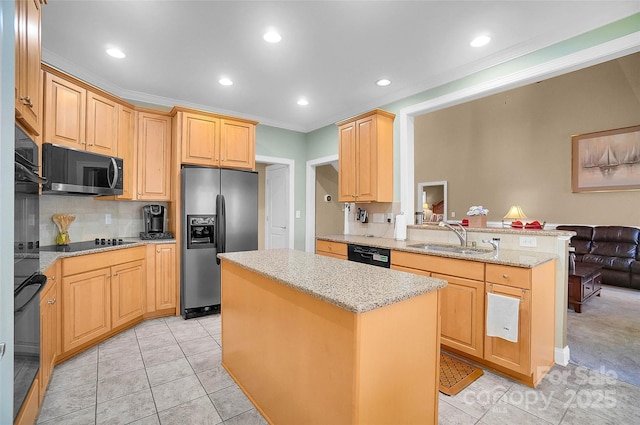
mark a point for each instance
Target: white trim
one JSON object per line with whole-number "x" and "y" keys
{"x": 292, "y": 172}
{"x": 591, "y": 56}
{"x": 310, "y": 233}
{"x": 562, "y": 355}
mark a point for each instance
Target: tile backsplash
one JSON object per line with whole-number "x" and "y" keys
{"x": 90, "y": 222}
{"x": 381, "y": 230}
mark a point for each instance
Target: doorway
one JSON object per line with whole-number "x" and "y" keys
{"x": 287, "y": 214}
{"x": 310, "y": 233}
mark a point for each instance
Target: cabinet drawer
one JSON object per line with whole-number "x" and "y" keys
{"x": 449, "y": 266}
{"x": 510, "y": 276}
{"x": 332, "y": 247}
{"x": 85, "y": 263}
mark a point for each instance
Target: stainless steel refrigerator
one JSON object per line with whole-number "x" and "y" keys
{"x": 219, "y": 214}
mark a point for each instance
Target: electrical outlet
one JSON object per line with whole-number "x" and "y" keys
{"x": 529, "y": 242}
{"x": 389, "y": 217}
{"x": 297, "y": 214}
{"x": 453, "y": 214}
{"x": 107, "y": 219}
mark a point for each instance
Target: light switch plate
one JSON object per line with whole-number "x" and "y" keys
{"x": 528, "y": 241}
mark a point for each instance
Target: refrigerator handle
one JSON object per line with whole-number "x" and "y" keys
{"x": 221, "y": 226}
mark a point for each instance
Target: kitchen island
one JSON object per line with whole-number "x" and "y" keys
{"x": 315, "y": 340}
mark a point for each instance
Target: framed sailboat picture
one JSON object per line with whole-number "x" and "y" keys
{"x": 606, "y": 160}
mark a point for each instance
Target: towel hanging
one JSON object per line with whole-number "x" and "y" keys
{"x": 503, "y": 314}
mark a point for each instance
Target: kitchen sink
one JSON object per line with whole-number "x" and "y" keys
{"x": 449, "y": 248}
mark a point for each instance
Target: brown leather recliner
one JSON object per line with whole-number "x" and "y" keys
{"x": 614, "y": 248}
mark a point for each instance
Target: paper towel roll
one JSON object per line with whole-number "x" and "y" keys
{"x": 401, "y": 228}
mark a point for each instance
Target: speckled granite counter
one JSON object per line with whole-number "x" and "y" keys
{"x": 506, "y": 257}
{"x": 352, "y": 286}
{"x": 47, "y": 258}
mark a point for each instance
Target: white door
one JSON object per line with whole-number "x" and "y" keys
{"x": 277, "y": 206}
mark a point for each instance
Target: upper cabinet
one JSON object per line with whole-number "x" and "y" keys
{"x": 212, "y": 140}
{"x": 365, "y": 158}
{"x": 154, "y": 157}
{"x": 28, "y": 93}
{"x": 126, "y": 150}
{"x": 79, "y": 118}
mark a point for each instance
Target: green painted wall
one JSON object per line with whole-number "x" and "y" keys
{"x": 281, "y": 143}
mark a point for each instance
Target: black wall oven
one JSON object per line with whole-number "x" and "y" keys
{"x": 28, "y": 281}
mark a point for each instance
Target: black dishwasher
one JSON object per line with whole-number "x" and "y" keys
{"x": 380, "y": 257}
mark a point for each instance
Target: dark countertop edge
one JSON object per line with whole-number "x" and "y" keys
{"x": 436, "y": 283}
{"x": 540, "y": 257}
{"x": 47, "y": 258}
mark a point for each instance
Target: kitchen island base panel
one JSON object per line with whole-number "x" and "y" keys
{"x": 302, "y": 360}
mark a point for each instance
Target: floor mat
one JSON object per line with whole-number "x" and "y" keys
{"x": 455, "y": 374}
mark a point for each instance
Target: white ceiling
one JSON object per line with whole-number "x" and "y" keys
{"x": 331, "y": 52}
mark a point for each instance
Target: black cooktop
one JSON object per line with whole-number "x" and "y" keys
{"x": 84, "y": 246}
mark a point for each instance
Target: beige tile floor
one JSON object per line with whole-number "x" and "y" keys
{"x": 167, "y": 371}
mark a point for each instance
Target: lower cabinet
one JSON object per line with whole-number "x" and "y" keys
{"x": 332, "y": 249}
{"x": 29, "y": 411}
{"x": 161, "y": 277}
{"x": 49, "y": 326}
{"x": 101, "y": 292}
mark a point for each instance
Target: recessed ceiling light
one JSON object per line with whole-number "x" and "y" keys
{"x": 383, "y": 82}
{"x": 225, "y": 81}
{"x": 116, "y": 53}
{"x": 272, "y": 37}
{"x": 480, "y": 40}
{"x": 302, "y": 102}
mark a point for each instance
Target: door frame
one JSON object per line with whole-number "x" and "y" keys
{"x": 310, "y": 233}
{"x": 272, "y": 160}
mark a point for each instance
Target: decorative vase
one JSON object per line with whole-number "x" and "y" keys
{"x": 477, "y": 221}
{"x": 62, "y": 238}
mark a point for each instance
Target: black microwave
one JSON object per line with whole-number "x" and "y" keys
{"x": 76, "y": 172}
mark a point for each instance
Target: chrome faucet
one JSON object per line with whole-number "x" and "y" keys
{"x": 495, "y": 243}
{"x": 462, "y": 236}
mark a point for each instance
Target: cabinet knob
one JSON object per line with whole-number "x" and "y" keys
{"x": 506, "y": 276}
{"x": 52, "y": 277}
{"x": 158, "y": 250}
{"x": 108, "y": 275}
{"x": 26, "y": 100}
{"x": 51, "y": 301}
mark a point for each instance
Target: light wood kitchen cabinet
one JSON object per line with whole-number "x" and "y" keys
{"x": 214, "y": 141}
{"x": 49, "y": 325}
{"x": 153, "y": 157}
{"x": 331, "y": 249}
{"x": 100, "y": 292}
{"x": 77, "y": 117}
{"x": 462, "y": 300}
{"x": 462, "y": 314}
{"x": 126, "y": 151}
{"x": 85, "y": 314}
{"x": 28, "y": 92}
{"x": 161, "y": 278}
{"x": 365, "y": 158}
{"x": 29, "y": 411}
{"x": 237, "y": 144}
{"x": 127, "y": 292}
{"x": 65, "y": 112}
{"x": 533, "y": 353}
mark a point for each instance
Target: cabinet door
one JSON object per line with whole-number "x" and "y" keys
{"x": 126, "y": 150}
{"x": 127, "y": 292}
{"x": 165, "y": 276}
{"x": 85, "y": 309}
{"x": 65, "y": 108}
{"x": 366, "y": 159}
{"x": 515, "y": 356}
{"x": 49, "y": 326}
{"x": 200, "y": 139}
{"x": 237, "y": 144}
{"x": 28, "y": 102}
{"x": 154, "y": 154}
{"x": 102, "y": 125}
{"x": 346, "y": 163}
{"x": 462, "y": 314}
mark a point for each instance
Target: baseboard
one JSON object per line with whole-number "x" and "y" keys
{"x": 562, "y": 355}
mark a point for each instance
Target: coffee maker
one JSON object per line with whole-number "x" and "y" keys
{"x": 153, "y": 216}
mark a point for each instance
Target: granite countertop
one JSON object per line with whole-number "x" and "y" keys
{"x": 47, "y": 258}
{"x": 352, "y": 286}
{"x": 507, "y": 257}
{"x": 500, "y": 230}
